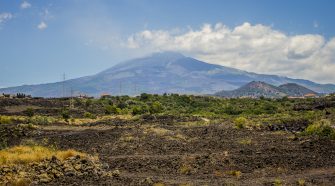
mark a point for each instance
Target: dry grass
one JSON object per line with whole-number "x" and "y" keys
{"x": 245, "y": 141}
{"x": 301, "y": 182}
{"x": 235, "y": 173}
{"x": 80, "y": 121}
{"x": 167, "y": 134}
{"x": 185, "y": 169}
{"x": 194, "y": 123}
{"x": 29, "y": 154}
{"x": 159, "y": 184}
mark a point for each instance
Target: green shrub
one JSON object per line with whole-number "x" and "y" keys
{"x": 156, "y": 107}
{"x": 240, "y": 122}
{"x": 230, "y": 110}
{"x": 65, "y": 115}
{"x": 140, "y": 109}
{"x": 89, "y": 115}
{"x": 321, "y": 128}
{"x": 122, "y": 105}
{"x": 145, "y": 97}
{"x": 39, "y": 120}
{"x": 88, "y": 103}
{"x": 29, "y": 112}
{"x": 270, "y": 108}
{"x": 110, "y": 109}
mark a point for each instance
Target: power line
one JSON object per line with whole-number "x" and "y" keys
{"x": 63, "y": 84}
{"x": 120, "y": 93}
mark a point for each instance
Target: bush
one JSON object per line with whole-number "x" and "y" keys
{"x": 321, "y": 128}
{"x": 109, "y": 109}
{"x": 240, "y": 122}
{"x": 156, "y": 107}
{"x": 140, "y": 109}
{"x": 122, "y": 105}
{"x": 230, "y": 110}
{"x": 145, "y": 97}
{"x": 39, "y": 120}
{"x": 88, "y": 103}
{"x": 269, "y": 108}
{"x": 136, "y": 110}
{"x": 29, "y": 112}
{"x": 89, "y": 115}
{"x": 65, "y": 115}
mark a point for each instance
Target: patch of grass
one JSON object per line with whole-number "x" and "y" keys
{"x": 5, "y": 120}
{"x": 29, "y": 154}
{"x": 89, "y": 115}
{"x": 20, "y": 182}
{"x": 240, "y": 122}
{"x": 321, "y": 128}
{"x": 158, "y": 184}
{"x": 235, "y": 173}
{"x": 127, "y": 138}
{"x": 301, "y": 182}
{"x": 245, "y": 141}
{"x": 185, "y": 169}
{"x": 277, "y": 182}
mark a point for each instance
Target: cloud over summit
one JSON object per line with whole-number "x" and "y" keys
{"x": 257, "y": 48}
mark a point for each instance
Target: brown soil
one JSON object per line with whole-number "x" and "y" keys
{"x": 173, "y": 154}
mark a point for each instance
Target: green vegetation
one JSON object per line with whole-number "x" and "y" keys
{"x": 89, "y": 115}
{"x": 240, "y": 122}
{"x": 277, "y": 114}
{"x": 30, "y": 112}
{"x": 277, "y": 182}
{"x": 321, "y": 128}
{"x": 65, "y": 115}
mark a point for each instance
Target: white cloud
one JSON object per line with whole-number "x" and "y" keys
{"x": 5, "y": 17}
{"x": 42, "y": 25}
{"x": 25, "y": 5}
{"x": 257, "y": 48}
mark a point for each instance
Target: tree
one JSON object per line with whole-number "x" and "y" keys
{"x": 156, "y": 107}
{"x": 30, "y": 112}
{"x": 111, "y": 109}
{"x": 66, "y": 115}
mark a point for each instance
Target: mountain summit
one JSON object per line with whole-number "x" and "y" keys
{"x": 257, "y": 89}
{"x": 162, "y": 72}
{"x": 254, "y": 89}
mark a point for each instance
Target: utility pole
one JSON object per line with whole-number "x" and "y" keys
{"x": 120, "y": 93}
{"x": 71, "y": 100}
{"x": 63, "y": 84}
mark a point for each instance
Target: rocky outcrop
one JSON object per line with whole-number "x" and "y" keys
{"x": 53, "y": 168}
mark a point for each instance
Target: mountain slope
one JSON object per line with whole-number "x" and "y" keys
{"x": 159, "y": 73}
{"x": 253, "y": 89}
{"x": 293, "y": 89}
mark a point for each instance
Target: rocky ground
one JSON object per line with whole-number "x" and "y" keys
{"x": 173, "y": 152}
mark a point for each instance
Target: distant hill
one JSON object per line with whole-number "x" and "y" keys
{"x": 166, "y": 72}
{"x": 256, "y": 89}
{"x": 293, "y": 89}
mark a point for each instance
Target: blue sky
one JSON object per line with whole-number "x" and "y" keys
{"x": 42, "y": 39}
